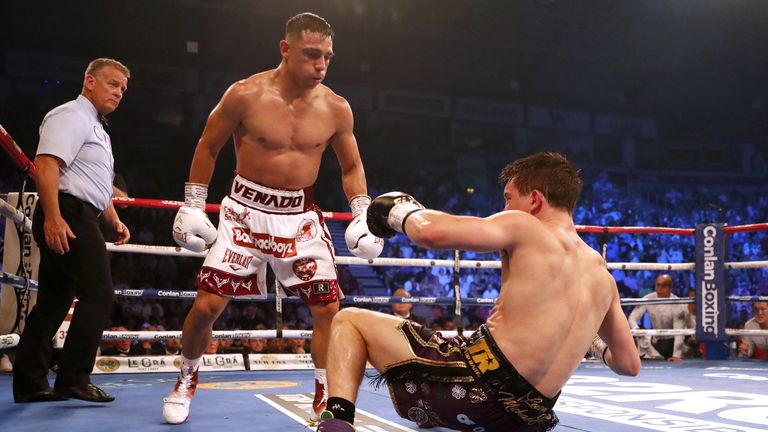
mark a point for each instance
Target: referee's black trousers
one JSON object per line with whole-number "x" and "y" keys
{"x": 83, "y": 272}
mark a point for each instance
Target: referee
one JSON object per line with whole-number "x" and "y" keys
{"x": 75, "y": 169}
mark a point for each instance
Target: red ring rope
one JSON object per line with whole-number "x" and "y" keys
{"x": 211, "y": 208}
{"x": 16, "y": 153}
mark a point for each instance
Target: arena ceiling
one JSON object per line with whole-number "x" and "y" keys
{"x": 641, "y": 56}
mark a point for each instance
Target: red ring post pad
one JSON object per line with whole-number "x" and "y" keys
{"x": 17, "y": 155}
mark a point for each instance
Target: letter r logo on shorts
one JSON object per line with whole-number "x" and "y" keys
{"x": 321, "y": 288}
{"x": 481, "y": 357}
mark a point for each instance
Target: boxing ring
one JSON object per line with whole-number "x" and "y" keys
{"x": 267, "y": 392}
{"x": 695, "y": 395}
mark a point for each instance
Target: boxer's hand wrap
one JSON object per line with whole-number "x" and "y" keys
{"x": 359, "y": 240}
{"x": 359, "y": 204}
{"x": 192, "y": 229}
{"x": 387, "y": 213}
{"x": 598, "y": 349}
{"x": 195, "y": 195}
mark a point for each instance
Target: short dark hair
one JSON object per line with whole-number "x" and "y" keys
{"x": 307, "y": 21}
{"x": 100, "y": 63}
{"x": 552, "y": 173}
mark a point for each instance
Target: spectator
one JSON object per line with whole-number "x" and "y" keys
{"x": 226, "y": 346}
{"x": 663, "y": 316}
{"x": 253, "y": 317}
{"x": 295, "y": 346}
{"x": 756, "y": 346}
{"x": 491, "y": 292}
{"x": 276, "y": 346}
{"x": 148, "y": 347}
{"x": 213, "y": 346}
{"x": 257, "y": 346}
{"x": 412, "y": 285}
{"x": 172, "y": 347}
{"x": 120, "y": 348}
{"x": 403, "y": 310}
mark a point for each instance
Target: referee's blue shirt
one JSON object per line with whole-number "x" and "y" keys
{"x": 73, "y": 133}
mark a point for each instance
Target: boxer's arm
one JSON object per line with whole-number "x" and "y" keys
{"x": 621, "y": 356}
{"x": 395, "y": 212}
{"x": 437, "y": 230}
{"x": 191, "y": 228}
{"x": 222, "y": 121}
{"x": 345, "y": 146}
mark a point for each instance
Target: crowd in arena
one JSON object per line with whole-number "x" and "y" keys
{"x": 608, "y": 199}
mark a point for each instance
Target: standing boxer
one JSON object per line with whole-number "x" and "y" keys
{"x": 281, "y": 121}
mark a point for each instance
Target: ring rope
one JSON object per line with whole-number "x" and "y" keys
{"x": 12, "y": 340}
{"x": 422, "y": 262}
{"x": 746, "y": 228}
{"x": 746, "y": 265}
{"x": 593, "y": 229}
{"x": 17, "y": 281}
{"x": 407, "y": 262}
{"x": 10, "y": 212}
{"x": 15, "y": 215}
{"x": 14, "y": 280}
{"x": 307, "y": 334}
{"x": 153, "y": 203}
{"x": 210, "y": 208}
{"x": 342, "y": 216}
{"x": 25, "y": 223}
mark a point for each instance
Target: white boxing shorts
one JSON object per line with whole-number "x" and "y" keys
{"x": 283, "y": 228}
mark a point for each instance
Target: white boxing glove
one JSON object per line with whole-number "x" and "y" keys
{"x": 192, "y": 229}
{"x": 359, "y": 239}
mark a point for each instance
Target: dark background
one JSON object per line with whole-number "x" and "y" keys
{"x": 696, "y": 68}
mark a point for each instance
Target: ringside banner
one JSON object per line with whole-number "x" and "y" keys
{"x": 18, "y": 254}
{"x": 710, "y": 283}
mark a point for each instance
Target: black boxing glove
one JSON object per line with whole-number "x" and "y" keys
{"x": 387, "y": 213}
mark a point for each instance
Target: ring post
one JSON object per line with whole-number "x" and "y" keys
{"x": 278, "y": 309}
{"x": 710, "y": 290}
{"x": 458, "y": 318}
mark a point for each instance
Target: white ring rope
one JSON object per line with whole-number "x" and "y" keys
{"x": 343, "y": 260}
{"x": 19, "y": 281}
{"x": 15, "y": 215}
{"x": 746, "y": 265}
{"x": 307, "y": 334}
{"x": 11, "y": 340}
{"x": 421, "y": 262}
{"x": 401, "y": 262}
{"x": 217, "y": 334}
